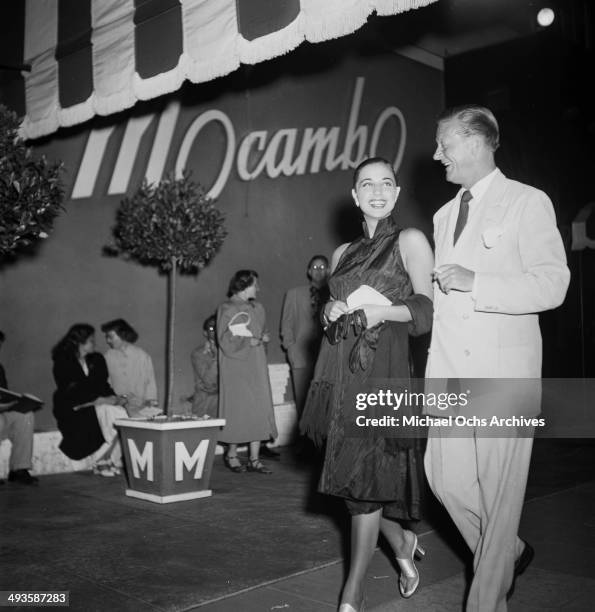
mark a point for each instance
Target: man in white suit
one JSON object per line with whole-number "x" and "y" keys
{"x": 499, "y": 261}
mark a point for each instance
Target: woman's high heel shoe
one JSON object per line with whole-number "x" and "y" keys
{"x": 350, "y": 608}
{"x": 234, "y": 464}
{"x": 408, "y": 569}
{"x": 255, "y": 465}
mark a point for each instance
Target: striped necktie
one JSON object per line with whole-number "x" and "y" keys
{"x": 463, "y": 214}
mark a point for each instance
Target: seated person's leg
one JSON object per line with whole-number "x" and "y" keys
{"x": 18, "y": 428}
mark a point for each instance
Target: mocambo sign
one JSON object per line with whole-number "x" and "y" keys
{"x": 287, "y": 152}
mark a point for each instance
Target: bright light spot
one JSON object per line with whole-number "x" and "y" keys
{"x": 545, "y": 17}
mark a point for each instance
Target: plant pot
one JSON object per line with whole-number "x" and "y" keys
{"x": 168, "y": 460}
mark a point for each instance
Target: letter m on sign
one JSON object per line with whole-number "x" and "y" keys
{"x": 185, "y": 460}
{"x": 141, "y": 461}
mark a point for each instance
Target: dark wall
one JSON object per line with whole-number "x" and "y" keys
{"x": 540, "y": 90}
{"x": 275, "y": 223}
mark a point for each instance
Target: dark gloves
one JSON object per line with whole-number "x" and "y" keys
{"x": 339, "y": 330}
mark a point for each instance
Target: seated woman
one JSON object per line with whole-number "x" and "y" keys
{"x": 130, "y": 368}
{"x": 82, "y": 393}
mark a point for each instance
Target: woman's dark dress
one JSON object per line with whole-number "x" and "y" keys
{"x": 81, "y": 434}
{"x": 370, "y": 471}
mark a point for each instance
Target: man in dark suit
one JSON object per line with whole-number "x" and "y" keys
{"x": 301, "y": 331}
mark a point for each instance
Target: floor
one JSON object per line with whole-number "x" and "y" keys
{"x": 558, "y": 519}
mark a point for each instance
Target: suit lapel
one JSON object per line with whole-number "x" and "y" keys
{"x": 444, "y": 232}
{"x": 495, "y": 204}
{"x": 492, "y": 209}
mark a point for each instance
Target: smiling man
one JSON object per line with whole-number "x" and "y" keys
{"x": 499, "y": 261}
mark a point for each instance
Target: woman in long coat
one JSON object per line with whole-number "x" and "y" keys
{"x": 244, "y": 389}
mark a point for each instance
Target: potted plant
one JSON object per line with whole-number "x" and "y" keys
{"x": 176, "y": 227}
{"x": 31, "y": 191}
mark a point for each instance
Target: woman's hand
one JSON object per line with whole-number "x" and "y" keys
{"x": 255, "y": 341}
{"x": 374, "y": 314}
{"x": 265, "y": 337}
{"x": 334, "y": 309}
{"x": 110, "y": 401}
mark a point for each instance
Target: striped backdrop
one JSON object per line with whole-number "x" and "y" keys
{"x": 98, "y": 57}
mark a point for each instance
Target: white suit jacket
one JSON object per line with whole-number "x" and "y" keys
{"x": 512, "y": 244}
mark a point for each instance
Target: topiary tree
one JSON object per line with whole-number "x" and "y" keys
{"x": 174, "y": 226}
{"x": 31, "y": 191}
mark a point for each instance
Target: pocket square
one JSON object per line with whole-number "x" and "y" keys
{"x": 491, "y": 236}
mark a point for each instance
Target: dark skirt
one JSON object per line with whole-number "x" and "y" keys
{"x": 368, "y": 470}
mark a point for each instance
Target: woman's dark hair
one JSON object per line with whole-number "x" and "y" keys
{"x": 241, "y": 280}
{"x": 122, "y": 328}
{"x": 372, "y": 160}
{"x": 210, "y": 323}
{"x": 474, "y": 120}
{"x": 68, "y": 347}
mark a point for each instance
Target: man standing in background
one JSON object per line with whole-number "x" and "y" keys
{"x": 301, "y": 330}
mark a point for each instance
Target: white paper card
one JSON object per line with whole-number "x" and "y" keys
{"x": 365, "y": 294}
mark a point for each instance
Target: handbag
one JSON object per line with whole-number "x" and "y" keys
{"x": 241, "y": 328}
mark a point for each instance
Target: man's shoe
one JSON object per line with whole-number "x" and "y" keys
{"x": 269, "y": 453}
{"x": 22, "y": 477}
{"x": 520, "y": 565}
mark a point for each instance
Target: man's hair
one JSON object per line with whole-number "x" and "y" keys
{"x": 210, "y": 322}
{"x": 474, "y": 120}
{"x": 315, "y": 257}
{"x": 122, "y": 328}
{"x": 241, "y": 280}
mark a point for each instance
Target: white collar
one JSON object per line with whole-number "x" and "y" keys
{"x": 479, "y": 189}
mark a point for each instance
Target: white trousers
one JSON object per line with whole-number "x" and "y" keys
{"x": 18, "y": 428}
{"x": 107, "y": 415}
{"x": 481, "y": 481}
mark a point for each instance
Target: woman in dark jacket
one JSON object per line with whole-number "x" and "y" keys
{"x": 81, "y": 377}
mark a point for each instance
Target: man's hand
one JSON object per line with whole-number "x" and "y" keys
{"x": 452, "y": 277}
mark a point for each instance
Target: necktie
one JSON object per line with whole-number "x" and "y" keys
{"x": 463, "y": 214}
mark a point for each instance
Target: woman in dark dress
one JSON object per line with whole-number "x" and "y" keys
{"x": 81, "y": 377}
{"x": 379, "y": 477}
